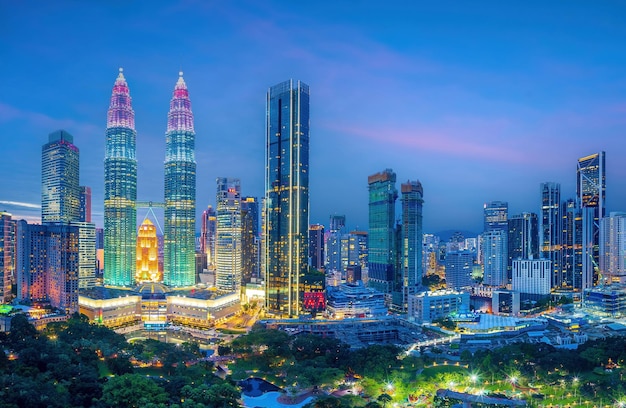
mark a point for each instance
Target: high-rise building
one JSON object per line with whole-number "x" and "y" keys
{"x": 496, "y": 215}
{"x": 531, "y": 276}
{"x": 180, "y": 191}
{"x": 228, "y": 239}
{"x": 495, "y": 257}
{"x": 148, "y": 254}
{"x": 60, "y": 190}
{"x": 337, "y": 223}
{"x": 316, "y": 246}
{"x": 207, "y": 236}
{"x": 572, "y": 252}
{"x": 87, "y": 261}
{"x": 120, "y": 189}
{"x": 613, "y": 248}
{"x": 459, "y": 266}
{"x": 591, "y": 192}
{"x": 48, "y": 264}
{"x": 382, "y": 235}
{"x": 412, "y": 237}
{"x": 286, "y": 205}
{"x": 523, "y": 239}
{"x": 7, "y": 255}
{"x": 551, "y": 232}
{"x": 85, "y": 204}
{"x": 249, "y": 239}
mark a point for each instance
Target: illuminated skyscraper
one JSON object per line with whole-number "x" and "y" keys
{"x": 382, "y": 234}
{"x": 613, "y": 248}
{"x": 495, "y": 258}
{"x": 228, "y": 238}
{"x": 551, "y": 232}
{"x": 591, "y": 191}
{"x": 148, "y": 254}
{"x": 120, "y": 189}
{"x": 286, "y": 206}
{"x": 316, "y": 246}
{"x": 496, "y": 215}
{"x": 60, "y": 190}
{"x": 180, "y": 191}
{"x": 412, "y": 237}
{"x": 523, "y": 239}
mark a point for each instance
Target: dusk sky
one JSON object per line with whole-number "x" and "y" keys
{"x": 479, "y": 101}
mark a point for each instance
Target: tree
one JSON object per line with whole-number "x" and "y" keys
{"x": 384, "y": 398}
{"x": 132, "y": 390}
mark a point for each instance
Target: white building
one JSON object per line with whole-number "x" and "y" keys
{"x": 495, "y": 256}
{"x": 613, "y": 248}
{"x": 532, "y": 276}
{"x": 425, "y": 307}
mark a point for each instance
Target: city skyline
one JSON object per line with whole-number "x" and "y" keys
{"x": 473, "y": 102}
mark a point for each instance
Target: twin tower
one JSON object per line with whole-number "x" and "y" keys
{"x": 120, "y": 190}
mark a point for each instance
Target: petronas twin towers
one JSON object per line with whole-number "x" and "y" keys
{"x": 120, "y": 190}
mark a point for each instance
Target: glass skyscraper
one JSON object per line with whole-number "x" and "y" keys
{"x": 120, "y": 189}
{"x": 180, "y": 191}
{"x": 249, "y": 239}
{"x": 382, "y": 234}
{"x": 591, "y": 190}
{"x": 60, "y": 189}
{"x": 286, "y": 204}
{"x": 551, "y": 232}
{"x": 228, "y": 235}
{"x": 412, "y": 237}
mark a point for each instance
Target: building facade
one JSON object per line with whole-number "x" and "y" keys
{"x": 179, "y": 246}
{"x": 316, "y": 246}
{"x": 249, "y": 239}
{"x": 60, "y": 189}
{"x": 532, "y": 276}
{"x": 148, "y": 254}
{"x": 120, "y": 188}
{"x": 7, "y": 255}
{"x": 382, "y": 246}
{"x": 286, "y": 204}
{"x": 412, "y": 238}
{"x": 551, "y": 232}
{"x": 228, "y": 239}
{"x": 495, "y": 257}
{"x": 613, "y": 248}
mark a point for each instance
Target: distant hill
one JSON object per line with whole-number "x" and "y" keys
{"x": 444, "y": 236}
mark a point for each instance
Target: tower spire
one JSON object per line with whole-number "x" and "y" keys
{"x": 121, "y": 113}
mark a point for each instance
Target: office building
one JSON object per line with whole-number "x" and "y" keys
{"x": 532, "y": 276}
{"x": 120, "y": 189}
{"x": 495, "y": 257}
{"x": 523, "y": 239}
{"x": 316, "y": 246}
{"x": 179, "y": 246}
{"x": 613, "y": 248}
{"x": 249, "y": 239}
{"x": 7, "y": 255}
{"x": 591, "y": 194}
{"x": 337, "y": 223}
{"x": 85, "y": 204}
{"x": 412, "y": 238}
{"x": 496, "y": 215}
{"x": 572, "y": 252}
{"x": 87, "y": 255}
{"x": 48, "y": 264}
{"x": 551, "y": 232}
{"x": 286, "y": 205}
{"x": 382, "y": 236}
{"x": 207, "y": 236}
{"x": 60, "y": 190}
{"x": 459, "y": 267}
{"x": 426, "y": 307}
{"x": 228, "y": 236}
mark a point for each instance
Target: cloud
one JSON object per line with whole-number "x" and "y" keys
{"x": 20, "y": 204}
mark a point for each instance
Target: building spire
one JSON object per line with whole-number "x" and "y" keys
{"x": 121, "y": 113}
{"x": 180, "y": 116}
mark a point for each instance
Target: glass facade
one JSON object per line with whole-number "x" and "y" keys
{"x": 7, "y": 255}
{"x": 120, "y": 189}
{"x": 249, "y": 239}
{"x": 412, "y": 237}
{"x": 228, "y": 239}
{"x": 180, "y": 191}
{"x": 382, "y": 245}
{"x": 591, "y": 191}
{"x": 60, "y": 190}
{"x": 551, "y": 232}
{"x": 286, "y": 204}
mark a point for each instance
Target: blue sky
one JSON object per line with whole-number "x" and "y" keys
{"x": 480, "y": 101}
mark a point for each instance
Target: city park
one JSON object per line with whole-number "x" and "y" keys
{"x": 78, "y": 364}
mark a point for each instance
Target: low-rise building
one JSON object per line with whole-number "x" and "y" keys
{"x": 425, "y": 307}
{"x": 354, "y": 300}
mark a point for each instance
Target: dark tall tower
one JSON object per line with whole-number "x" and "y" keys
{"x": 412, "y": 237}
{"x": 382, "y": 234}
{"x": 120, "y": 189}
{"x": 551, "y": 232}
{"x": 591, "y": 192}
{"x": 286, "y": 205}
{"x": 249, "y": 238}
{"x": 523, "y": 239}
{"x": 180, "y": 191}
{"x": 316, "y": 246}
{"x": 85, "y": 204}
